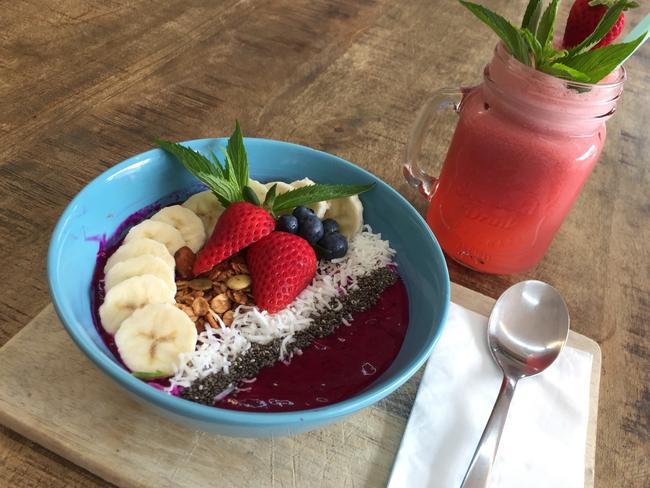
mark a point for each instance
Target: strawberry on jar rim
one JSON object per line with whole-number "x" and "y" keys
{"x": 585, "y": 16}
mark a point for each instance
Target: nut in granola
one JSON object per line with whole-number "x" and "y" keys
{"x": 239, "y": 282}
{"x": 228, "y": 317}
{"x": 221, "y": 303}
{"x": 200, "y": 306}
{"x": 184, "y": 259}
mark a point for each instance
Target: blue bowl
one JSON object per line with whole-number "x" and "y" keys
{"x": 100, "y": 208}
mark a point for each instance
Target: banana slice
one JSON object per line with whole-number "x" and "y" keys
{"x": 207, "y": 207}
{"x": 153, "y": 337}
{"x": 348, "y": 212}
{"x": 186, "y": 221}
{"x": 259, "y": 189}
{"x": 158, "y": 231}
{"x": 281, "y": 188}
{"x": 319, "y": 208}
{"x": 140, "y": 247}
{"x": 141, "y": 265}
{"x": 134, "y": 293}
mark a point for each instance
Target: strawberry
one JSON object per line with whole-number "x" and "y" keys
{"x": 281, "y": 266}
{"x": 583, "y": 19}
{"x": 240, "y": 225}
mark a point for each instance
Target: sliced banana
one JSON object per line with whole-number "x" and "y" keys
{"x": 140, "y": 247}
{"x": 153, "y": 337}
{"x": 348, "y": 212}
{"x": 158, "y": 231}
{"x": 186, "y": 221}
{"x": 281, "y": 187}
{"x": 134, "y": 293}
{"x": 146, "y": 264}
{"x": 319, "y": 208}
{"x": 259, "y": 189}
{"x": 207, "y": 207}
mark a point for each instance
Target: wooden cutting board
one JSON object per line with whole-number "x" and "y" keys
{"x": 53, "y": 395}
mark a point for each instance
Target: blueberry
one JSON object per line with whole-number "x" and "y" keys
{"x": 287, "y": 223}
{"x": 302, "y": 212}
{"x": 333, "y": 246}
{"x": 310, "y": 229}
{"x": 330, "y": 226}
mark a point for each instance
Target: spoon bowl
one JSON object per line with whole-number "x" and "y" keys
{"x": 527, "y": 329}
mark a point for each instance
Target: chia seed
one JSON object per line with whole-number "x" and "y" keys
{"x": 324, "y": 323}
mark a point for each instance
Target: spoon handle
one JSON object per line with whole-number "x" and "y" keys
{"x": 478, "y": 473}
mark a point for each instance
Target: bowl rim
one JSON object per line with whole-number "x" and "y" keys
{"x": 210, "y": 414}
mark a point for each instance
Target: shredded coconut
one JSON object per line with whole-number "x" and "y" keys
{"x": 218, "y": 348}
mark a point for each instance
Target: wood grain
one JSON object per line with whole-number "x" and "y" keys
{"x": 85, "y": 84}
{"x": 140, "y": 449}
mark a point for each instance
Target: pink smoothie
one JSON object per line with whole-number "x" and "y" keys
{"x": 524, "y": 146}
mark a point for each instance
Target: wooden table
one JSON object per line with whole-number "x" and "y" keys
{"x": 86, "y": 84}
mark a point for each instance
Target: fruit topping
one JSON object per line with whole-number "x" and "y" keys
{"x": 139, "y": 247}
{"x": 130, "y": 295}
{"x": 187, "y": 222}
{"x": 332, "y": 246}
{"x": 302, "y": 212}
{"x": 207, "y": 207}
{"x": 281, "y": 266}
{"x": 586, "y": 55}
{"x": 287, "y": 223}
{"x": 348, "y": 214}
{"x": 310, "y": 228}
{"x": 153, "y": 337}
{"x": 243, "y": 221}
{"x": 241, "y": 225}
{"x": 138, "y": 266}
{"x": 585, "y": 16}
{"x": 330, "y": 226}
{"x": 158, "y": 231}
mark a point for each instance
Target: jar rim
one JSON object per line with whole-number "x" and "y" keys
{"x": 502, "y": 52}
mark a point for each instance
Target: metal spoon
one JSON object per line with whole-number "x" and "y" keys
{"x": 528, "y": 328}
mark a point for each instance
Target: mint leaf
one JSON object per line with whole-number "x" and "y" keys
{"x": 534, "y": 45}
{"x": 208, "y": 172}
{"x": 547, "y": 24}
{"x": 508, "y": 33}
{"x": 316, "y": 193}
{"x": 250, "y": 196}
{"x": 600, "y": 62}
{"x": 563, "y": 71}
{"x": 269, "y": 201}
{"x": 144, "y": 375}
{"x": 604, "y": 26}
{"x": 238, "y": 158}
{"x": 531, "y": 17}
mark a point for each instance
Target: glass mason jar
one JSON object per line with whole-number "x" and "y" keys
{"x": 524, "y": 144}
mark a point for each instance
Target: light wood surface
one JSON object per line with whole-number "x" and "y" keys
{"x": 51, "y": 394}
{"x": 86, "y": 84}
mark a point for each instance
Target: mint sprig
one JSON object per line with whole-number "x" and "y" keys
{"x": 229, "y": 182}
{"x": 316, "y": 193}
{"x": 532, "y": 43}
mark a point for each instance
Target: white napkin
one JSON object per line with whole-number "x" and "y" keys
{"x": 544, "y": 440}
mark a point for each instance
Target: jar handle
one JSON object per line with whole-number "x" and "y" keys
{"x": 441, "y": 101}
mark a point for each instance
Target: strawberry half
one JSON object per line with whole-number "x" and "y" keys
{"x": 583, "y": 19}
{"x": 281, "y": 266}
{"x": 239, "y": 226}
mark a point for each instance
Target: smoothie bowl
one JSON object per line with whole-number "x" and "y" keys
{"x": 272, "y": 313}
